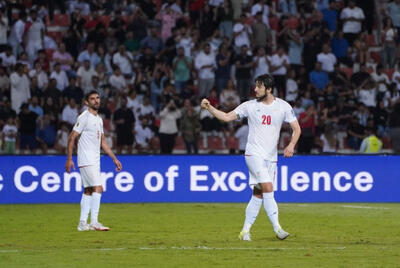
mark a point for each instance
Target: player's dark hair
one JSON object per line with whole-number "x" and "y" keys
{"x": 90, "y": 93}
{"x": 268, "y": 82}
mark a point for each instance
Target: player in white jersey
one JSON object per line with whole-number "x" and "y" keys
{"x": 89, "y": 128}
{"x": 265, "y": 116}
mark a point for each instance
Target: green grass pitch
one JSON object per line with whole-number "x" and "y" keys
{"x": 200, "y": 235}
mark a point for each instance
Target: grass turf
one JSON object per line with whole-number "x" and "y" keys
{"x": 200, "y": 235}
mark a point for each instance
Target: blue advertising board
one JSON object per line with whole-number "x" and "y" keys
{"x": 205, "y": 178}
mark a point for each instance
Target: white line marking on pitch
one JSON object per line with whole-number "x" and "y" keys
{"x": 104, "y": 249}
{"x": 210, "y": 248}
{"x": 8, "y": 250}
{"x": 365, "y": 207}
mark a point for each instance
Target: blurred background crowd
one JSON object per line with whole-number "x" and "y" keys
{"x": 337, "y": 62}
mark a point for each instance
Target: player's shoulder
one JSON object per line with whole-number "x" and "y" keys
{"x": 83, "y": 115}
{"x": 282, "y": 102}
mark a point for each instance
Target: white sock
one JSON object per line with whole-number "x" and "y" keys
{"x": 251, "y": 212}
{"x": 85, "y": 207}
{"x": 271, "y": 208}
{"x": 94, "y": 212}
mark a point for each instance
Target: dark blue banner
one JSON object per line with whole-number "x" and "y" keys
{"x": 207, "y": 178}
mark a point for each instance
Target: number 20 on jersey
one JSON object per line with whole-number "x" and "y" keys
{"x": 266, "y": 120}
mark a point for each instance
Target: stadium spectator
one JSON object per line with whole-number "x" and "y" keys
{"x": 190, "y": 127}
{"x": 4, "y": 82}
{"x": 224, "y": 64}
{"x": 318, "y": 78}
{"x": 261, "y": 63}
{"x": 3, "y": 27}
{"x": 125, "y": 122}
{"x": 85, "y": 74}
{"x": 307, "y": 121}
{"x": 355, "y": 133}
{"x": 291, "y": 87}
{"x": 241, "y": 134}
{"x": 9, "y": 136}
{"x": 70, "y": 112}
{"x": 73, "y": 91}
{"x": 46, "y": 133}
{"x": 27, "y": 128}
{"x": 15, "y": 39}
{"x": 40, "y": 75}
{"x": 352, "y": 17}
{"x": 330, "y": 15}
{"x": 64, "y": 58}
{"x": 241, "y": 33}
{"x": 35, "y": 107}
{"x": 393, "y": 9}
{"x": 182, "y": 66}
{"x": 60, "y": 76}
{"x": 7, "y": 58}
{"x": 20, "y": 92}
{"x": 89, "y": 55}
{"x": 123, "y": 59}
{"x": 62, "y": 138}
{"x": 296, "y": 46}
{"x": 35, "y": 36}
{"x": 244, "y": 65}
{"x": 205, "y": 64}
{"x": 327, "y": 59}
{"x": 261, "y": 32}
{"x": 117, "y": 81}
{"x": 328, "y": 139}
{"x": 339, "y": 48}
{"x": 389, "y": 36}
{"x": 153, "y": 41}
{"x": 279, "y": 63}
{"x": 225, "y": 17}
{"x": 394, "y": 124}
{"x": 168, "y": 127}
{"x": 143, "y": 136}
{"x": 371, "y": 144}
{"x": 229, "y": 97}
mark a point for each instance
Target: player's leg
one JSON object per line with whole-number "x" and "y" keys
{"x": 252, "y": 210}
{"x": 96, "y": 198}
{"x": 86, "y": 200}
{"x": 270, "y": 205}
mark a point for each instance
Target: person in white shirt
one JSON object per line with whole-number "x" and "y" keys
{"x": 17, "y": 32}
{"x": 396, "y": 77}
{"x": 168, "y": 127}
{"x": 89, "y": 129}
{"x": 327, "y": 59}
{"x": 205, "y": 64}
{"x": 352, "y": 17}
{"x": 85, "y": 74}
{"x": 10, "y": 133}
{"x": 242, "y": 134}
{"x": 60, "y": 76}
{"x": 7, "y": 58}
{"x": 143, "y": 136}
{"x": 291, "y": 87}
{"x": 381, "y": 79}
{"x": 123, "y": 59}
{"x": 117, "y": 80}
{"x": 20, "y": 91}
{"x": 265, "y": 116}
{"x": 3, "y": 27}
{"x": 41, "y": 76}
{"x": 241, "y": 33}
{"x": 279, "y": 63}
{"x": 261, "y": 61}
{"x": 328, "y": 140}
{"x": 35, "y": 37}
{"x": 367, "y": 94}
{"x": 261, "y": 7}
{"x": 70, "y": 112}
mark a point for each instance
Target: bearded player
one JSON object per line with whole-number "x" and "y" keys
{"x": 89, "y": 128}
{"x": 265, "y": 116}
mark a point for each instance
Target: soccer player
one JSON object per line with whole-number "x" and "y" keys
{"x": 265, "y": 116}
{"x": 89, "y": 127}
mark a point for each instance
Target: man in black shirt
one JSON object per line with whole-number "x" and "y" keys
{"x": 244, "y": 63}
{"x": 73, "y": 91}
{"x": 124, "y": 120}
{"x": 27, "y": 128}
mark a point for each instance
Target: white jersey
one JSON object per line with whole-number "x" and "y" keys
{"x": 265, "y": 123}
{"x": 90, "y": 127}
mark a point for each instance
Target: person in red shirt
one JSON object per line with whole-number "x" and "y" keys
{"x": 307, "y": 122}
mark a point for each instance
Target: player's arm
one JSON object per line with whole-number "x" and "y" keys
{"x": 226, "y": 117}
{"x": 70, "y": 148}
{"x": 289, "y": 150}
{"x": 107, "y": 150}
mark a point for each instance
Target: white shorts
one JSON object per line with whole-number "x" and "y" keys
{"x": 260, "y": 171}
{"x": 90, "y": 175}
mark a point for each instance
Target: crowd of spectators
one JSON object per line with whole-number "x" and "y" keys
{"x": 153, "y": 61}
